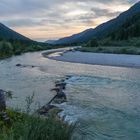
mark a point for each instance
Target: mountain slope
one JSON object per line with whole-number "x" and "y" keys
{"x": 101, "y": 30}
{"x": 130, "y": 29}
{"x": 127, "y": 34}
{"x": 7, "y": 33}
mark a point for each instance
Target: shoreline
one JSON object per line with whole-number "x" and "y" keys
{"x": 102, "y": 59}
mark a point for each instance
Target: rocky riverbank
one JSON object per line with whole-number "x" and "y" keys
{"x": 59, "y": 98}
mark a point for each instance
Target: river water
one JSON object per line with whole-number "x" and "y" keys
{"x": 104, "y": 101}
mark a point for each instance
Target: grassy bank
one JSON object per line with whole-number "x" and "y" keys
{"x": 27, "y": 127}
{"x": 130, "y": 46}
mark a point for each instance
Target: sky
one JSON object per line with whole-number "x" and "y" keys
{"x": 43, "y": 20}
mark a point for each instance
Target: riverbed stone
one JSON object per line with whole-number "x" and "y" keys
{"x": 18, "y": 65}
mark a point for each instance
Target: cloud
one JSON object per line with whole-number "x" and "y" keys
{"x": 58, "y": 18}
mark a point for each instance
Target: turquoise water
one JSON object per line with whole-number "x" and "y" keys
{"x": 104, "y": 108}
{"x": 104, "y": 101}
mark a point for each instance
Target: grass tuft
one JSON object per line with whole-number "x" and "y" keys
{"x": 29, "y": 127}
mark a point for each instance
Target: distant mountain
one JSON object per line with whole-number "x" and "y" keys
{"x": 50, "y": 41}
{"x": 101, "y": 30}
{"x": 7, "y": 33}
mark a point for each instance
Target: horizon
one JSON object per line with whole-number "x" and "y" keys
{"x": 42, "y": 20}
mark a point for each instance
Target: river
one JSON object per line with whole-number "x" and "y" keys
{"x": 104, "y": 101}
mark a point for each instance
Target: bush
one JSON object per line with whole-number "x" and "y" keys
{"x": 6, "y": 49}
{"x": 100, "y": 49}
{"x": 137, "y": 42}
{"x": 17, "y": 47}
{"x": 105, "y": 42}
{"x": 26, "y": 127}
{"x": 93, "y": 43}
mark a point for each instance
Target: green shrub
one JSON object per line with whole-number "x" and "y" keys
{"x": 5, "y": 48}
{"x": 100, "y": 49}
{"x": 93, "y": 43}
{"x": 27, "y": 127}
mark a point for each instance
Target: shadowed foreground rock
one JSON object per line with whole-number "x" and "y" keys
{"x": 3, "y": 112}
{"x": 2, "y": 101}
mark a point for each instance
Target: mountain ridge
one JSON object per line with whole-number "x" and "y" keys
{"x": 9, "y": 34}
{"x": 101, "y": 30}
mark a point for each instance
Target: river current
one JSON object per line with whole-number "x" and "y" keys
{"x": 104, "y": 101}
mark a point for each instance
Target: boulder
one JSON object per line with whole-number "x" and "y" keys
{"x": 18, "y": 65}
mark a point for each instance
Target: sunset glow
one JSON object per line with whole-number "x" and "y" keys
{"x": 43, "y": 19}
